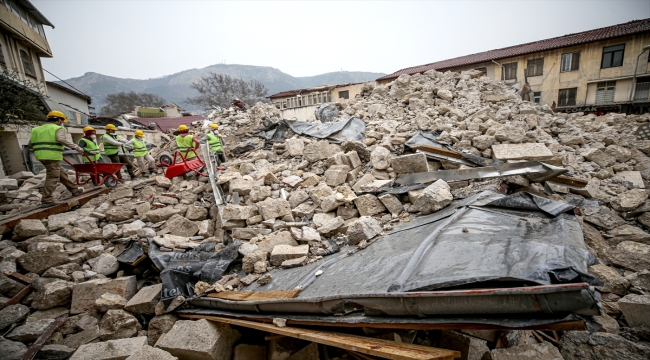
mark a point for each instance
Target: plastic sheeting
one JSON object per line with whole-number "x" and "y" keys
{"x": 338, "y": 132}
{"x": 429, "y": 138}
{"x": 326, "y": 112}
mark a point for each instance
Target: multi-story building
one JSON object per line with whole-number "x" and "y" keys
{"x": 601, "y": 70}
{"x": 301, "y": 103}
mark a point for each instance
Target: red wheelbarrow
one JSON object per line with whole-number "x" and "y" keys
{"x": 99, "y": 173}
{"x": 183, "y": 165}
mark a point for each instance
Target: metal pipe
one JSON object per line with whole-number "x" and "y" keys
{"x": 632, "y": 90}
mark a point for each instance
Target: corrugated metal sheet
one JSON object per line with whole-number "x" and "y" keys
{"x": 610, "y": 32}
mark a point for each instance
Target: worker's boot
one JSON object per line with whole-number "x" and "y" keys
{"x": 77, "y": 191}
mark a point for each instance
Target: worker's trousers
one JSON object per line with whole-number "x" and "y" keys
{"x": 54, "y": 174}
{"x": 124, "y": 159}
{"x": 150, "y": 162}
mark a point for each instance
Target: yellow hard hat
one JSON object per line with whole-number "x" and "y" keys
{"x": 139, "y": 133}
{"x": 110, "y": 127}
{"x": 89, "y": 128}
{"x": 214, "y": 126}
{"x": 183, "y": 128}
{"x": 57, "y": 114}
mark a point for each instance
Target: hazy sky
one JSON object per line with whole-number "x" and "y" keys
{"x": 145, "y": 39}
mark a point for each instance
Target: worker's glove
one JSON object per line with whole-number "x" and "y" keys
{"x": 79, "y": 150}
{"x": 154, "y": 145}
{"x": 129, "y": 148}
{"x": 220, "y": 136}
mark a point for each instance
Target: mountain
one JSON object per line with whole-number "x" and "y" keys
{"x": 176, "y": 87}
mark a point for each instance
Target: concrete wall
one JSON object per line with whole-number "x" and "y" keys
{"x": 62, "y": 96}
{"x": 584, "y": 78}
{"x": 304, "y": 113}
{"x": 353, "y": 90}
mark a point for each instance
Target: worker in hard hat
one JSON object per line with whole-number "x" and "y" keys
{"x": 115, "y": 149}
{"x": 185, "y": 141}
{"x": 48, "y": 141}
{"x": 213, "y": 139}
{"x": 141, "y": 153}
{"x": 88, "y": 143}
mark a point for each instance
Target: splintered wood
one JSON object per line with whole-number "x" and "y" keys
{"x": 255, "y": 295}
{"x": 359, "y": 344}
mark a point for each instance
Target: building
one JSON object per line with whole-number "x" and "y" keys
{"x": 592, "y": 71}
{"x": 172, "y": 111}
{"x": 302, "y": 103}
{"x": 169, "y": 124}
{"x": 74, "y": 104}
{"x": 22, "y": 39}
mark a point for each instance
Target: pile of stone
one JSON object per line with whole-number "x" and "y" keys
{"x": 291, "y": 203}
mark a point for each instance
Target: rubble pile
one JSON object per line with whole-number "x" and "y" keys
{"x": 293, "y": 202}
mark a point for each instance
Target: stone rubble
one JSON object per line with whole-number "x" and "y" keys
{"x": 294, "y": 203}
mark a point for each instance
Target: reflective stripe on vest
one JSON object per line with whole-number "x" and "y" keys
{"x": 91, "y": 146}
{"x": 215, "y": 143}
{"x": 111, "y": 149}
{"x": 140, "y": 148}
{"x": 44, "y": 143}
{"x": 185, "y": 143}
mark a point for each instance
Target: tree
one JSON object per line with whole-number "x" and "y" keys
{"x": 124, "y": 102}
{"x": 220, "y": 89}
{"x": 20, "y": 100}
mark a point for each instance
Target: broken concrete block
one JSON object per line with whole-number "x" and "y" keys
{"x": 316, "y": 150}
{"x": 12, "y": 350}
{"x": 279, "y": 238}
{"x": 273, "y": 208}
{"x": 375, "y": 185}
{"x": 85, "y": 294}
{"x": 151, "y": 353}
{"x": 242, "y": 186}
{"x": 9, "y": 184}
{"x": 144, "y": 302}
{"x": 632, "y": 176}
{"x": 13, "y": 314}
{"x": 30, "y": 331}
{"x": 43, "y": 258}
{"x": 392, "y": 203}
{"x": 408, "y": 164}
{"x": 330, "y": 203}
{"x": 206, "y": 228}
{"x": 259, "y": 193}
{"x": 581, "y": 345}
{"x": 364, "y": 180}
{"x": 199, "y": 340}
{"x": 614, "y": 283}
{"x": 105, "y": 264}
{"x": 309, "y": 234}
{"x": 196, "y": 213}
{"x": 281, "y": 253}
{"x": 601, "y": 158}
{"x": 292, "y": 263}
{"x": 180, "y": 226}
{"x": 630, "y": 255}
{"x": 528, "y": 151}
{"x": 364, "y": 228}
{"x": 309, "y": 352}
{"x": 54, "y": 352}
{"x": 336, "y": 175}
{"x": 295, "y": 147}
{"x": 163, "y": 182}
{"x": 162, "y": 214}
{"x": 51, "y": 294}
{"x": 252, "y": 258}
{"x": 118, "y": 324}
{"x": 110, "y": 350}
{"x": 160, "y": 325}
{"x": 120, "y": 193}
{"x": 249, "y": 233}
{"x": 628, "y": 233}
{"x": 602, "y": 216}
{"x": 543, "y": 351}
{"x": 369, "y": 205}
{"x": 380, "y": 158}
{"x": 629, "y": 200}
{"x": 330, "y": 225}
{"x": 237, "y": 212}
{"x": 109, "y": 301}
{"x": 636, "y": 309}
{"x": 434, "y": 197}
{"x": 27, "y": 228}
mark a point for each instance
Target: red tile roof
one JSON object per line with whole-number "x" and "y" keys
{"x": 610, "y": 32}
{"x": 166, "y": 123}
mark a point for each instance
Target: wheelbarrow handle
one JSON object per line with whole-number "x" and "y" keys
{"x": 84, "y": 154}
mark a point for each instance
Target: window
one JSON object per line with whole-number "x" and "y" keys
{"x": 570, "y": 62}
{"x": 2, "y": 56}
{"x": 536, "y": 67}
{"x": 483, "y": 70}
{"x": 28, "y": 65}
{"x": 612, "y": 56}
{"x": 537, "y": 96}
{"x": 510, "y": 71}
{"x": 567, "y": 97}
{"x": 642, "y": 91}
{"x": 344, "y": 94}
{"x": 605, "y": 92}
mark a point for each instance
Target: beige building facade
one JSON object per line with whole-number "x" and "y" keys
{"x": 596, "y": 73}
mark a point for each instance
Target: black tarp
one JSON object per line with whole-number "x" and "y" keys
{"x": 422, "y": 137}
{"x": 337, "y": 132}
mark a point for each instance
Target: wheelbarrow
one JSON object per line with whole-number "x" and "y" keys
{"x": 99, "y": 173}
{"x": 181, "y": 165}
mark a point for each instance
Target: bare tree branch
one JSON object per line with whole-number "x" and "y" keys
{"x": 123, "y": 102}
{"x": 220, "y": 89}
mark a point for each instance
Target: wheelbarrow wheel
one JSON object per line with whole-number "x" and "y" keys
{"x": 110, "y": 182}
{"x": 166, "y": 159}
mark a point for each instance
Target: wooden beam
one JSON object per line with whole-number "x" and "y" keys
{"x": 36, "y": 346}
{"x": 566, "y": 180}
{"x": 255, "y": 295}
{"x": 436, "y": 150}
{"x": 7, "y": 225}
{"x": 369, "y": 346}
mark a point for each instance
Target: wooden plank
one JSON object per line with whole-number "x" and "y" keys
{"x": 36, "y": 346}
{"x": 577, "y": 325}
{"x": 16, "y": 299}
{"x": 566, "y": 180}
{"x": 369, "y": 346}
{"x": 440, "y": 151}
{"x": 42, "y": 213}
{"x": 255, "y": 295}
